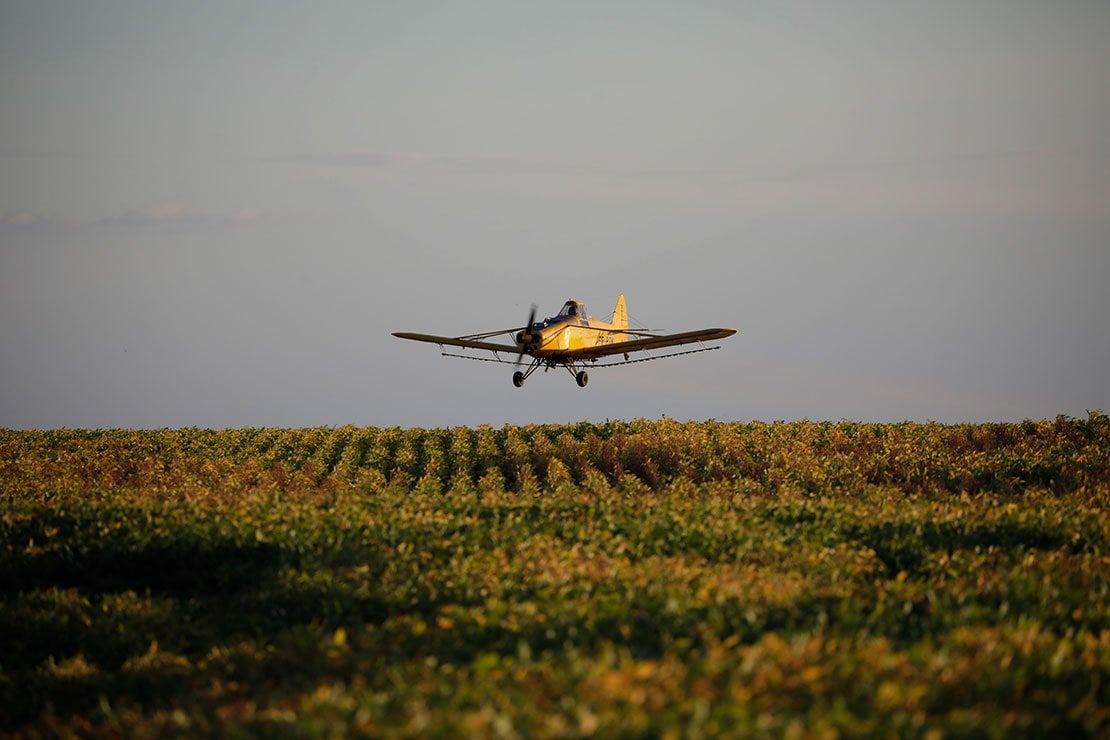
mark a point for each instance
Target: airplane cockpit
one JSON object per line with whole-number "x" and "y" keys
{"x": 573, "y": 309}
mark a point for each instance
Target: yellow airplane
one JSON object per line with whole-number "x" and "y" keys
{"x": 571, "y": 339}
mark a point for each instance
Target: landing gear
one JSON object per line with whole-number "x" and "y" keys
{"x": 579, "y": 376}
{"x": 519, "y": 377}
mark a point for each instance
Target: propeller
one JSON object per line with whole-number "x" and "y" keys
{"x": 526, "y": 335}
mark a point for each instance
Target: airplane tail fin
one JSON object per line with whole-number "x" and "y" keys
{"x": 620, "y": 318}
{"x": 620, "y": 314}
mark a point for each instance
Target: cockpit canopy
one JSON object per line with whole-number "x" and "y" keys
{"x": 573, "y": 308}
{"x": 573, "y": 311}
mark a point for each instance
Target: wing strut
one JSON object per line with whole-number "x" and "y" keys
{"x": 656, "y": 357}
{"x": 591, "y": 364}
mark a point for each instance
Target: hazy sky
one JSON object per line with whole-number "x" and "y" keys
{"x": 215, "y": 213}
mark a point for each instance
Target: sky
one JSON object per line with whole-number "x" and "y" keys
{"x": 214, "y": 214}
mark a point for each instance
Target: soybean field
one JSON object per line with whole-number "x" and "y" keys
{"x": 640, "y": 578}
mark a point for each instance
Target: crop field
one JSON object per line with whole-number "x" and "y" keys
{"x": 628, "y": 578}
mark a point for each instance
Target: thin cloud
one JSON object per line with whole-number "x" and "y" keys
{"x": 163, "y": 212}
{"x": 176, "y": 213}
{"x": 21, "y": 218}
{"x": 999, "y": 182}
{"x": 354, "y": 159}
{"x": 456, "y": 165}
{"x": 25, "y": 221}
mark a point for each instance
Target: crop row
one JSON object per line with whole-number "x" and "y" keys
{"x": 803, "y": 457}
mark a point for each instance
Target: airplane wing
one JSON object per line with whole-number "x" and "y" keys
{"x": 458, "y": 342}
{"x": 650, "y": 342}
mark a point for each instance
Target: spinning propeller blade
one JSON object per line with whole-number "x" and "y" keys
{"x": 527, "y": 331}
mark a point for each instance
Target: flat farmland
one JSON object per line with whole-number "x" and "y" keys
{"x": 649, "y": 578}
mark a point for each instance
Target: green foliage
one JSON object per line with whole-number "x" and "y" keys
{"x": 631, "y": 578}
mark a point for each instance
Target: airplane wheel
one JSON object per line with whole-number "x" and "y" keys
{"x": 582, "y": 378}
{"x": 518, "y": 378}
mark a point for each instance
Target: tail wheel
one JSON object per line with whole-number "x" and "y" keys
{"x": 582, "y": 378}
{"x": 518, "y": 378}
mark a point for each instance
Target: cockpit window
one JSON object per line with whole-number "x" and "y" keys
{"x": 573, "y": 308}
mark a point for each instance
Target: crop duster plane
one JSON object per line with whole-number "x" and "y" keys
{"x": 570, "y": 339}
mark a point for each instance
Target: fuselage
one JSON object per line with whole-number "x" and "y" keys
{"x": 571, "y": 329}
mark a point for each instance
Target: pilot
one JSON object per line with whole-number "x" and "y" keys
{"x": 573, "y": 310}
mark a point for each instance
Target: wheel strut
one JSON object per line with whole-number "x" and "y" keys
{"x": 519, "y": 377}
{"x": 580, "y": 376}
